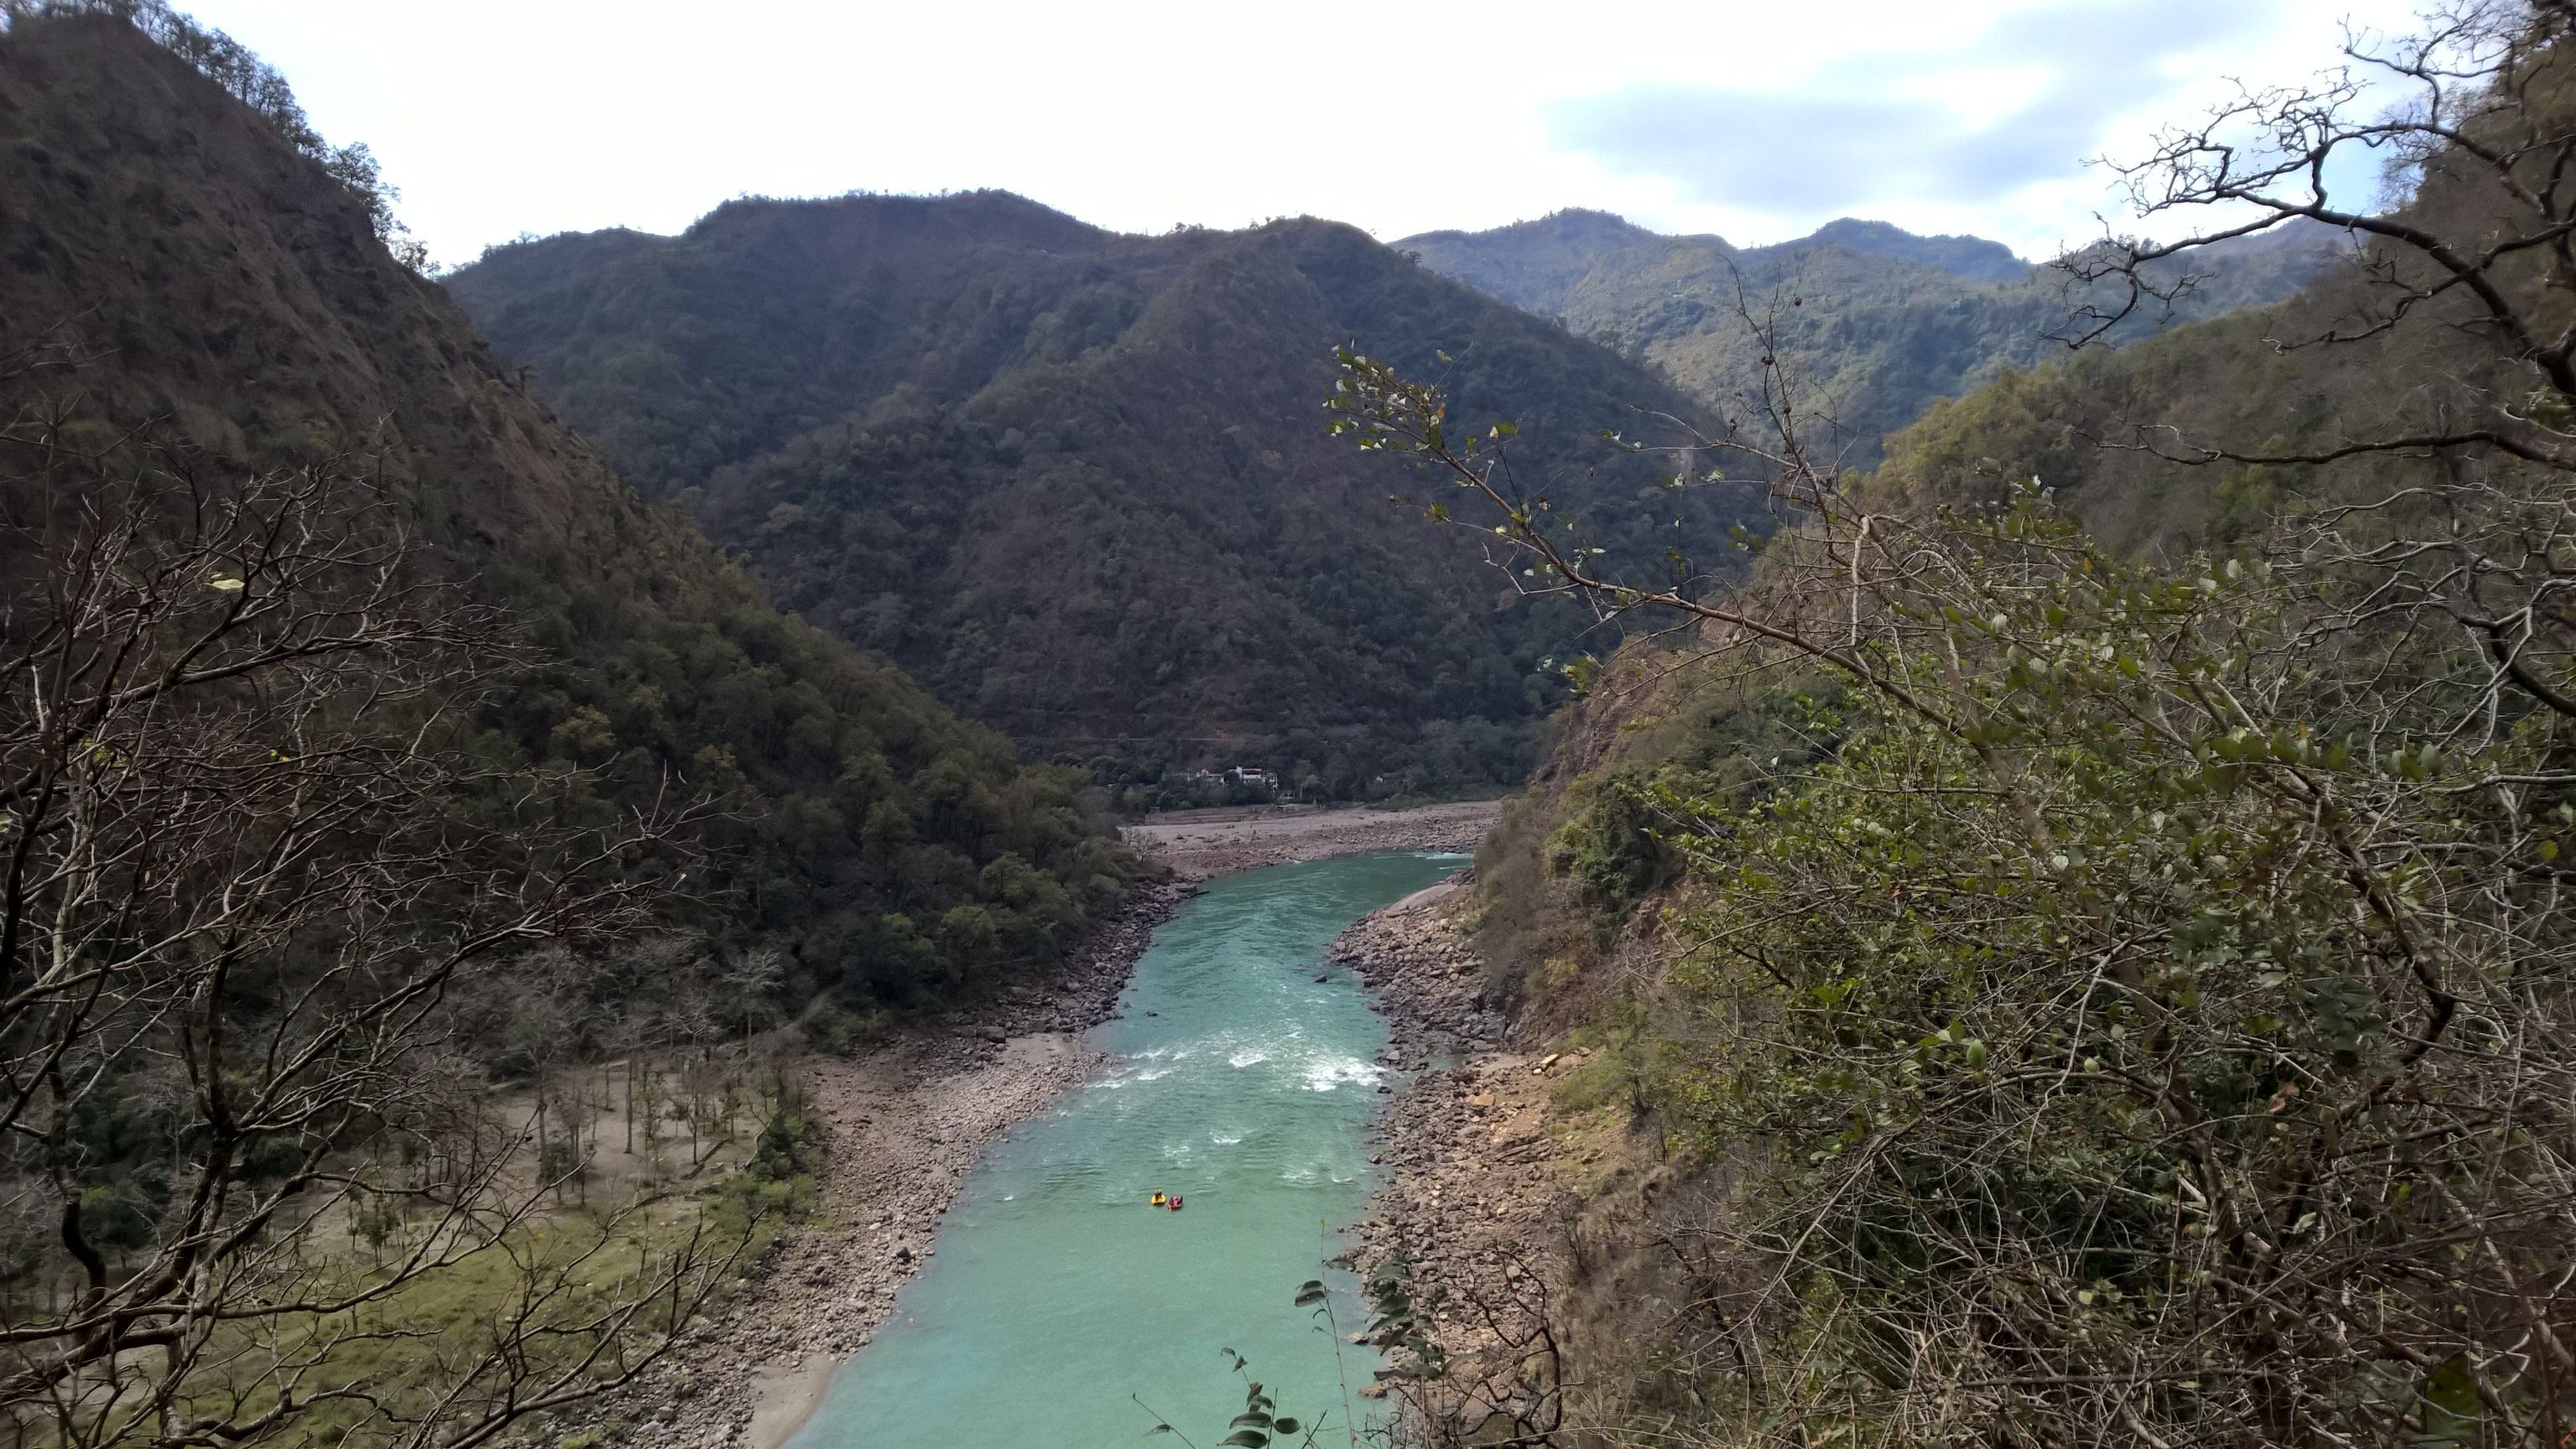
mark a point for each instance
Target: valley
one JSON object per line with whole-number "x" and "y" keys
{"x": 899, "y": 817}
{"x": 920, "y": 1133}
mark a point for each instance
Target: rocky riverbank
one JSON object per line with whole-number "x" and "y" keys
{"x": 1476, "y": 1186}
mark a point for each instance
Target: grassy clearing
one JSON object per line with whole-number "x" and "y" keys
{"x": 571, "y": 1296}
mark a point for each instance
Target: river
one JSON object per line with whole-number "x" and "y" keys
{"x": 1057, "y": 1297}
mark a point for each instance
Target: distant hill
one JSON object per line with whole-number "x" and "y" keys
{"x": 233, "y": 300}
{"x": 1875, "y": 323}
{"x": 1080, "y": 482}
{"x": 1543, "y": 266}
{"x": 1969, "y": 258}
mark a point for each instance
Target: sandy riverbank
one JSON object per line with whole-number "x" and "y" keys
{"x": 1201, "y": 844}
{"x": 909, "y": 1121}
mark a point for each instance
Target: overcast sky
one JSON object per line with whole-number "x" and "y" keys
{"x": 1755, "y": 119}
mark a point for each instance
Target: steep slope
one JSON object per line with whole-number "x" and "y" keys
{"x": 2374, "y": 564}
{"x": 230, "y": 297}
{"x": 1641, "y": 851}
{"x": 1870, "y": 323}
{"x": 2114, "y": 431}
{"x": 1080, "y": 482}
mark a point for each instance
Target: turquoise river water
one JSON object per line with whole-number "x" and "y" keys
{"x": 1235, "y": 1079}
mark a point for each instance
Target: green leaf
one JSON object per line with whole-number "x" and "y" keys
{"x": 1283, "y": 1425}
{"x": 2451, "y": 1406}
{"x": 1246, "y": 1439}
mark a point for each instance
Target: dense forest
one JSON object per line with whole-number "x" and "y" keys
{"x": 852, "y": 802}
{"x": 2079, "y": 941}
{"x": 1079, "y": 483}
{"x": 1867, "y": 325}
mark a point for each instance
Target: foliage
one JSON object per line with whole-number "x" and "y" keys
{"x": 256, "y": 84}
{"x": 2143, "y": 1015}
{"x": 2169, "y": 1019}
{"x": 1876, "y": 325}
{"x": 1072, "y": 480}
{"x": 845, "y": 813}
{"x": 777, "y": 1181}
{"x": 2150, "y": 1017}
{"x": 342, "y": 677}
{"x": 1258, "y": 1426}
{"x": 1397, "y": 1324}
{"x": 254, "y": 859}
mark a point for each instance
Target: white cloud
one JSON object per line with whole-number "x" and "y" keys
{"x": 502, "y": 116}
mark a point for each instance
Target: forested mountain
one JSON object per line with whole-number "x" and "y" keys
{"x": 1079, "y": 482}
{"x": 1869, "y": 324}
{"x": 1577, "y": 260}
{"x": 375, "y": 768}
{"x": 2125, "y": 437}
{"x": 186, "y": 287}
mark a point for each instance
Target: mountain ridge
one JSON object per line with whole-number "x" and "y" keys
{"x": 1080, "y": 481}
{"x": 1870, "y": 324}
{"x": 1587, "y": 236}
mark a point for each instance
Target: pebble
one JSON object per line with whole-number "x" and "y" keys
{"x": 1464, "y": 1187}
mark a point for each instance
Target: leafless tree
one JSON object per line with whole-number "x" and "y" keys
{"x": 2464, "y": 274}
{"x": 252, "y": 847}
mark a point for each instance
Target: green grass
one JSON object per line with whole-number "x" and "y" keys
{"x": 404, "y": 1349}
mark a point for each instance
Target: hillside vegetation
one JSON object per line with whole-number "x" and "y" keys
{"x": 1867, "y": 325}
{"x": 227, "y": 299}
{"x": 2084, "y": 931}
{"x": 1078, "y": 482}
{"x": 375, "y": 768}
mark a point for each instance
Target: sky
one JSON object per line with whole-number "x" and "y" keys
{"x": 1754, "y": 119}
